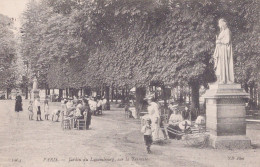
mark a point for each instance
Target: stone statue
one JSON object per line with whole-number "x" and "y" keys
{"x": 35, "y": 85}
{"x": 223, "y": 55}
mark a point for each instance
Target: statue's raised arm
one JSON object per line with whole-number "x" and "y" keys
{"x": 223, "y": 55}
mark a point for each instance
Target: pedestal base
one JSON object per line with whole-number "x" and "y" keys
{"x": 225, "y": 116}
{"x": 229, "y": 142}
{"x": 35, "y": 94}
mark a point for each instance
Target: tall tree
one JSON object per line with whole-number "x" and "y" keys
{"x": 7, "y": 53}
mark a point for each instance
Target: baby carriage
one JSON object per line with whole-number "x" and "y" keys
{"x": 176, "y": 131}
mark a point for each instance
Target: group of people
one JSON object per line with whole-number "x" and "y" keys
{"x": 156, "y": 122}
{"x": 77, "y": 109}
{"x": 33, "y": 105}
{"x": 153, "y": 124}
{"x": 180, "y": 121}
{"x": 69, "y": 109}
{"x": 36, "y": 105}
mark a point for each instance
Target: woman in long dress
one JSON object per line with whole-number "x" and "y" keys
{"x": 223, "y": 55}
{"x": 18, "y": 104}
{"x": 153, "y": 110}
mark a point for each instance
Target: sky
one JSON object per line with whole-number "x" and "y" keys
{"x": 13, "y": 8}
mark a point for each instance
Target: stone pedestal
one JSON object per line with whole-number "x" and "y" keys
{"x": 34, "y": 94}
{"x": 225, "y": 113}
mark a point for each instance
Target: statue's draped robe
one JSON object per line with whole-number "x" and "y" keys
{"x": 223, "y": 56}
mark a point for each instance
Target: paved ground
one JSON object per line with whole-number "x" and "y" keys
{"x": 111, "y": 141}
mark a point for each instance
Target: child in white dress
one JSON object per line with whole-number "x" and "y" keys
{"x": 30, "y": 110}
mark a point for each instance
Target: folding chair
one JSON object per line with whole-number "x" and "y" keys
{"x": 65, "y": 123}
{"x": 81, "y": 123}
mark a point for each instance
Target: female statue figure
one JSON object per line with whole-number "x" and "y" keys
{"x": 223, "y": 55}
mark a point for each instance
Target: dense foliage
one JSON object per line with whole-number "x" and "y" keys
{"x": 77, "y": 43}
{"x": 7, "y": 53}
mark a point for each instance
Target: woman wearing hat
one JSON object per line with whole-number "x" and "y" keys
{"x": 153, "y": 110}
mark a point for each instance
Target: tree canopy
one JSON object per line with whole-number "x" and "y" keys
{"x": 76, "y": 43}
{"x": 7, "y": 53}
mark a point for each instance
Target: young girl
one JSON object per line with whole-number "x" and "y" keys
{"x": 30, "y": 110}
{"x": 147, "y": 131}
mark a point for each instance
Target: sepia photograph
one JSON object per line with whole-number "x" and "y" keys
{"x": 129, "y": 83}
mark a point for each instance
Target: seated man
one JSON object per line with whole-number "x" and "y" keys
{"x": 55, "y": 115}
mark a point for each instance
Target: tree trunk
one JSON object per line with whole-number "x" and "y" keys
{"x": 195, "y": 96}
{"x": 189, "y": 94}
{"x": 107, "y": 98}
{"x": 177, "y": 94}
{"x": 255, "y": 96}
{"x": 67, "y": 92}
{"x": 258, "y": 94}
{"x": 127, "y": 94}
{"x": 7, "y": 93}
{"x": 81, "y": 92}
{"x": 101, "y": 91}
{"x": 116, "y": 95}
{"x": 246, "y": 87}
{"x": 140, "y": 95}
{"x": 164, "y": 96}
{"x": 123, "y": 96}
{"x": 251, "y": 92}
{"x": 60, "y": 94}
{"x": 26, "y": 92}
{"x": 181, "y": 94}
{"x": 112, "y": 93}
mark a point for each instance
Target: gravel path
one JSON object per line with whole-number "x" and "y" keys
{"x": 111, "y": 141}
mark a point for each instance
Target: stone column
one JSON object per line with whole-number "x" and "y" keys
{"x": 225, "y": 116}
{"x": 35, "y": 91}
